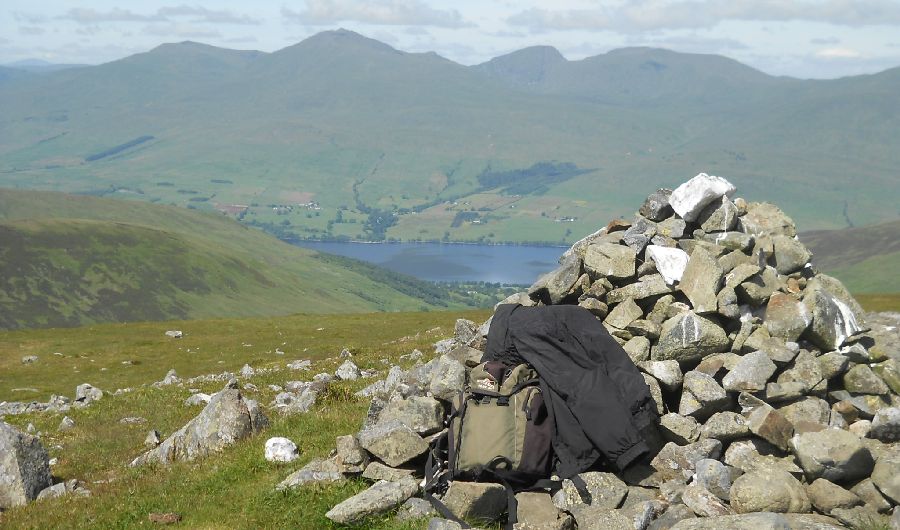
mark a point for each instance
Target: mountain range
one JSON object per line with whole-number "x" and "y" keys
{"x": 341, "y": 136}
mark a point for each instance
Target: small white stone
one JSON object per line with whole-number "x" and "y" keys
{"x": 670, "y": 262}
{"x": 689, "y": 199}
{"x": 174, "y": 333}
{"x": 281, "y": 449}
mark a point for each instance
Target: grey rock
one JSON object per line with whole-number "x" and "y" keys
{"x": 295, "y": 403}
{"x": 637, "y": 348}
{"x": 805, "y": 411}
{"x": 348, "y": 371}
{"x": 605, "y": 491}
{"x": 701, "y": 281}
{"x": 593, "y": 518}
{"x": 536, "y": 508}
{"x": 833, "y": 364}
{"x": 656, "y": 207}
{"x": 790, "y": 254}
{"x": 713, "y": 476}
{"x": 750, "y": 374}
{"x": 826, "y": 496}
{"x": 66, "y": 424}
{"x": 860, "y": 428}
{"x": 733, "y": 241}
{"x": 689, "y": 337}
{"x": 392, "y": 442}
{"x": 835, "y": 455}
{"x": 197, "y": 399}
{"x": 639, "y": 234}
{"x": 679, "y": 462}
{"x": 718, "y": 216}
{"x": 764, "y": 218}
{"x": 29, "y": 359}
{"x": 24, "y": 467}
{"x": 862, "y": 380}
{"x": 741, "y": 273}
{"x": 787, "y": 317}
{"x": 679, "y": 429}
{"x": 655, "y": 393}
{"x": 703, "y": 502}
{"x": 668, "y": 373}
{"x": 555, "y": 286}
{"x": 351, "y": 457}
{"x": 377, "y": 471}
{"x": 69, "y": 487}
{"x": 778, "y": 392}
{"x": 380, "y": 497}
{"x": 609, "y": 260}
{"x": 436, "y": 523}
{"x": 690, "y": 198}
{"x": 774, "y": 491}
{"x": 869, "y": 494}
{"x": 833, "y": 321}
{"x": 86, "y": 393}
{"x": 886, "y": 425}
{"x": 727, "y": 303}
{"x": 771, "y": 426}
{"x": 860, "y": 517}
{"x": 596, "y": 307}
{"x": 725, "y": 426}
{"x": 647, "y": 286}
{"x": 415, "y": 508}
{"x": 153, "y": 439}
{"x": 227, "y": 419}
{"x": 483, "y": 501}
{"x": 316, "y": 471}
{"x": 424, "y": 415}
{"x": 702, "y": 396}
{"x": 889, "y": 372}
{"x": 449, "y": 378}
{"x": 806, "y": 370}
{"x": 281, "y": 449}
{"x": 886, "y": 475}
{"x": 757, "y": 455}
{"x": 757, "y": 289}
{"x": 672, "y": 228}
{"x": 624, "y": 314}
{"x": 672, "y": 517}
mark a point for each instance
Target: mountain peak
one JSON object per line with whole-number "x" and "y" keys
{"x": 344, "y": 39}
{"x": 528, "y": 65}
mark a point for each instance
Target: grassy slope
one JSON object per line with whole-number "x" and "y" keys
{"x": 69, "y": 260}
{"x": 310, "y": 120}
{"x": 236, "y": 488}
{"x": 865, "y": 258}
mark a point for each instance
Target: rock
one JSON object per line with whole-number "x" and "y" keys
{"x": 281, "y": 449}
{"x": 806, "y": 412}
{"x": 832, "y": 320}
{"x": 757, "y": 289}
{"x": 153, "y": 439}
{"x": 703, "y": 502}
{"x": 674, "y": 461}
{"x": 380, "y": 497}
{"x": 727, "y": 303}
{"x": 714, "y": 477}
{"x": 448, "y": 379}
{"x": 596, "y": 307}
{"x": 886, "y": 475}
{"x": 763, "y": 218}
{"x": 688, "y": 337}
{"x": 69, "y": 487}
{"x": 348, "y": 371}
{"x": 869, "y": 494}
{"x": 197, "y": 399}
{"x": 750, "y": 373}
{"x": 392, "y": 442}
{"x": 655, "y": 393}
{"x": 702, "y": 396}
{"x": 827, "y": 496}
{"x": 671, "y": 517}
{"x": 436, "y": 523}
{"x": 536, "y": 509}
{"x": 609, "y": 260}
{"x": 295, "y": 403}
{"x": 679, "y": 429}
{"x": 725, "y": 426}
{"x": 886, "y": 425}
{"x": 860, "y": 428}
{"x": 24, "y": 467}
{"x": 773, "y": 491}
{"x": 833, "y": 364}
{"x": 29, "y": 359}
{"x": 351, "y": 457}
{"x": 771, "y": 426}
{"x": 889, "y": 372}
{"x": 790, "y": 254}
{"x": 718, "y": 216}
{"x": 424, "y": 415}
{"x": 670, "y": 262}
{"x": 85, "y": 393}
{"x": 657, "y": 207}
{"x": 164, "y": 518}
{"x": 377, "y": 471}
{"x": 647, "y": 286}
{"x": 624, "y": 314}
{"x": 860, "y": 517}
{"x": 415, "y": 508}
{"x": 832, "y": 454}
{"x": 604, "y": 491}
{"x": 638, "y": 349}
{"x": 861, "y": 380}
{"x": 668, "y": 373}
{"x": 690, "y": 198}
{"x": 555, "y": 286}
{"x": 227, "y": 419}
{"x": 778, "y": 392}
{"x": 757, "y": 455}
{"x": 66, "y": 424}
{"x": 639, "y": 234}
{"x": 592, "y": 518}
{"x": 701, "y": 281}
{"x": 300, "y": 365}
{"x": 786, "y": 317}
{"x": 475, "y": 500}
{"x": 316, "y": 471}
{"x": 174, "y": 334}
{"x": 760, "y": 521}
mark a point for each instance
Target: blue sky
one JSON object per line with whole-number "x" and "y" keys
{"x": 804, "y": 38}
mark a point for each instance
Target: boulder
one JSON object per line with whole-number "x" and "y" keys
{"x": 348, "y": 371}
{"x": 609, "y": 260}
{"x": 773, "y": 491}
{"x": 227, "y": 419}
{"x": 380, "y": 497}
{"x": 725, "y": 426}
{"x": 555, "y": 286}
{"x": 392, "y": 442}
{"x": 316, "y": 471}
{"x": 832, "y": 320}
{"x": 448, "y": 378}
{"x": 690, "y": 198}
{"x": 763, "y": 218}
{"x": 688, "y": 337}
{"x": 656, "y": 207}
{"x": 350, "y": 457}
{"x": 604, "y": 491}
{"x": 886, "y": 475}
{"x": 826, "y": 496}
{"x": 679, "y": 429}
{"x": 424, "y": 415}
{"x": 703, "y": 502}
{"x": 786, "y": 317}
{"x": 715, "y": 477}
{"x": 701, "y": 281}
{"x": 483, "y": 501}
{"x": 679, "y": 462}
{"x": 86, "y": 393}
{"x": 750, "y": 373}
{"x": 280, "y": 449}
{"x": 871, "y": 496}
{"x": 886, "y": 425}
{"x": 670, "y": 262}
{"x": 668, "y": 373}
{"x": 702, "y": 396}
{"x": 790, "y": 254}
{"x": 862, "y": 380}
{"x": 719, "y": 216}
{"x": 24, "y": 467}
{"x": 832, "y": 454}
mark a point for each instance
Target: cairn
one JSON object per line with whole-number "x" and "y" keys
{"x": 779, "y": 409}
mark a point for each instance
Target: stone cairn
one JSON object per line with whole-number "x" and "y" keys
{"x": 778, "y": 406}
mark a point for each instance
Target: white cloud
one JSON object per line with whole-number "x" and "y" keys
{"x": 84, "y": 15}
{"x": 181, "y": 31}
{"x": 825, "y": 41}
{"x": 643, "y": 15}
{"x": 31, "y": 30}
{"x": 375, "y": 12}
{"x": 198, "y": 14}
{"x": 838, "y": 53}
{"x": 203, "y": 14}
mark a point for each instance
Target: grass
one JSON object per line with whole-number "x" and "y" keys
{"x": 234, "y": 489}
{"x": 879, "y": 302}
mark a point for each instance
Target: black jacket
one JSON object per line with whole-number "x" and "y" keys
{"x": 598, "y": 399}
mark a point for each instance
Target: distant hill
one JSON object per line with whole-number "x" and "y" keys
{"x": 68, "y": 260}
{"x": 40, "y": 66}
{"x": 341, "y": 136}
{"x": 866, "y": 258}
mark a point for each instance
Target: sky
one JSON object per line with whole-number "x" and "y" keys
{"x": 803, "y": 38}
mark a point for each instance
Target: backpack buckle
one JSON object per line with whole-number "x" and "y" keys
{"x": 503, "y": 401}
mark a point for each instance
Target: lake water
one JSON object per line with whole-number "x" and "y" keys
{"x": 510, "y": 264}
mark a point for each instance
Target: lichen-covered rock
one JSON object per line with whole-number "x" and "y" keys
{"x": 679, "y": 429}
{"x": 424, "y": 415}
{"x": 24, "y": 467}
{"x": 227, "y": 419}
{"x": 475, "y": 500}
{"x": 689, "y": 337}
{"x": 774, "y": 491}
{"x": 392, "y": 442}
{"x": 679, "y": 462}
{"x": 750, "y": 373}
{"x": 668, "y": 373}
{"x": 786, "y": 316}
{"x": 886, "y": 475}
{"x": 380, "y": 497}
{"x": 861, "y": 380}
{"x": 448, "y": 378}
{"x": 609, "y": 260}
{"x": 725, "y": 426}
{"x": 702, "y": 396}
{"x": 605, "y": 491}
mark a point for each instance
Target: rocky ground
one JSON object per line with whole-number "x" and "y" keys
{"x": 777, "y": 395}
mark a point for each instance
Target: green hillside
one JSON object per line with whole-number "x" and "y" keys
{"x": 865, "y": 258}
{"x": 340, "y": 136}
{"x": 70, "y": 261}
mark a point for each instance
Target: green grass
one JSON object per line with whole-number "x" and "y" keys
{"x": 879, "y": 302}
{"x": 865, "y": 258}
{"x": 233, "y": 489}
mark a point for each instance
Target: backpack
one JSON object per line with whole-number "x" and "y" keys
{"x": 499, "y": 431}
